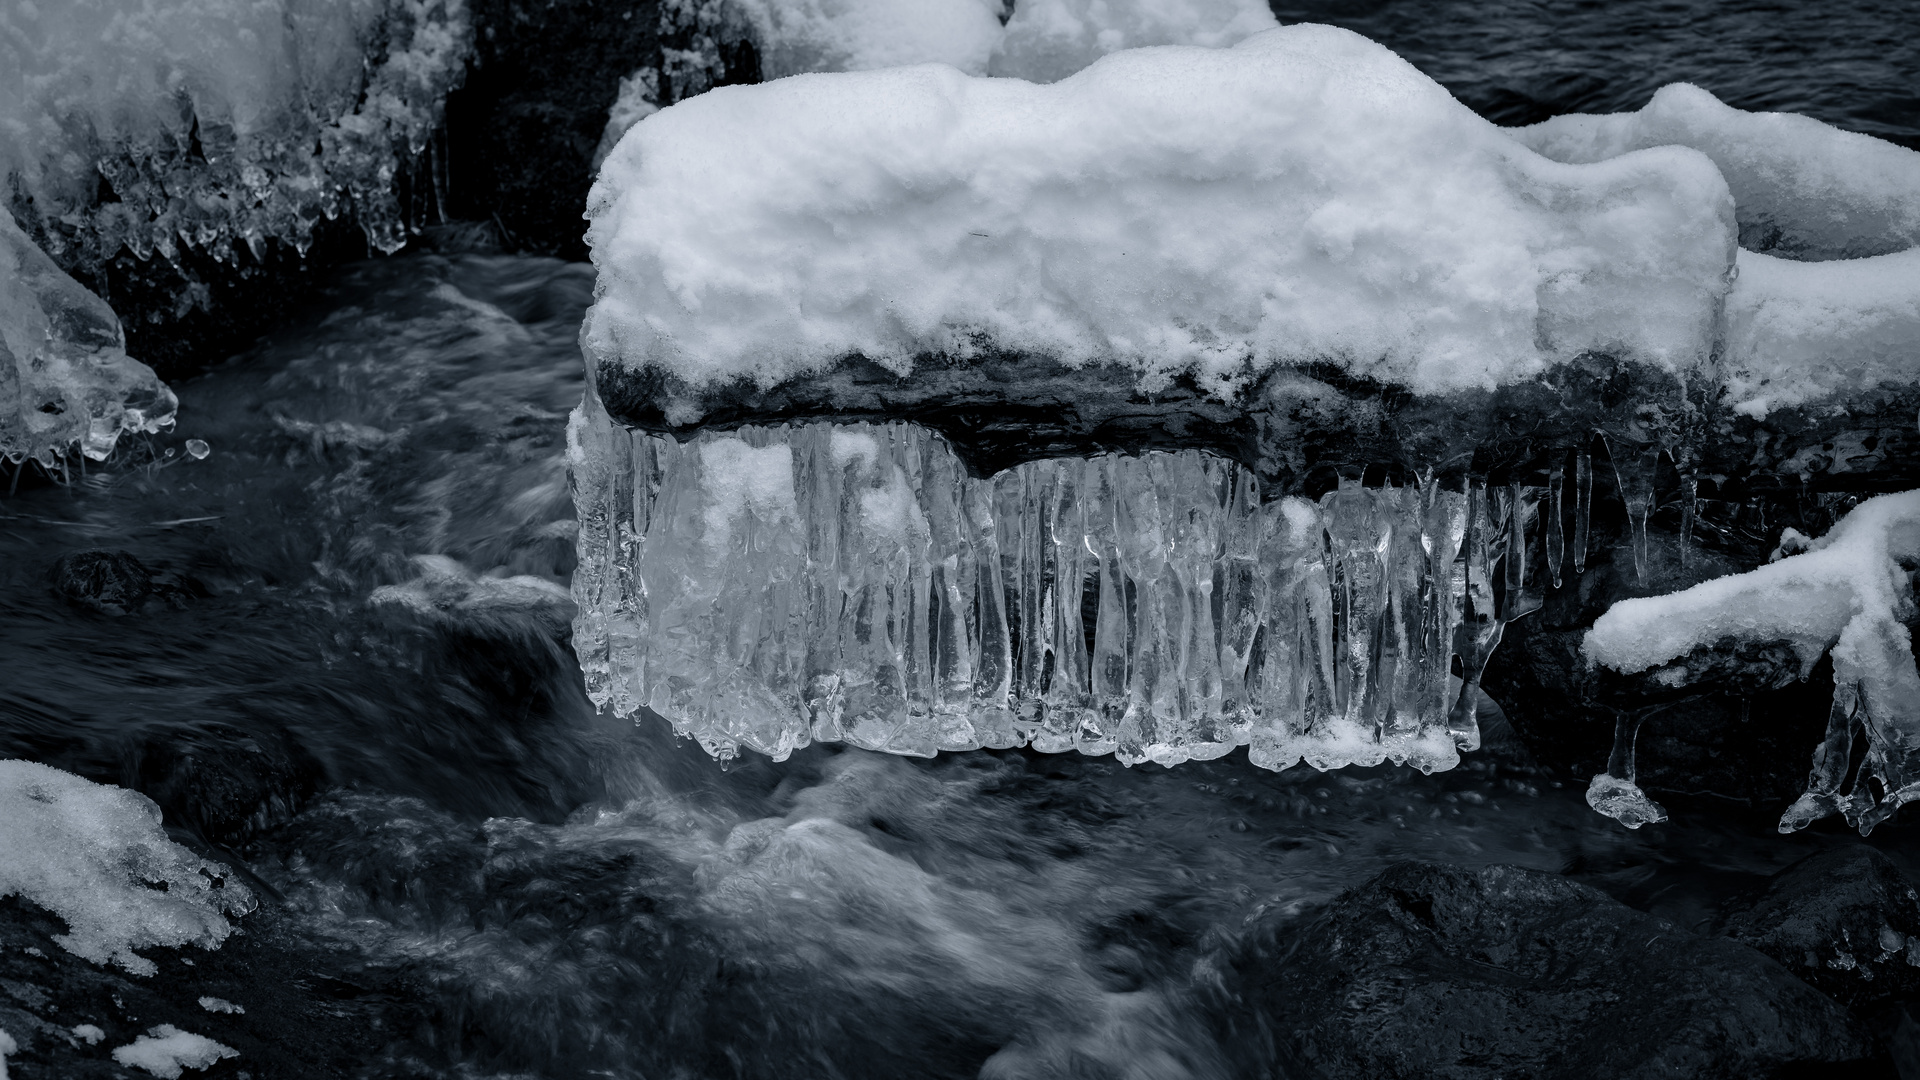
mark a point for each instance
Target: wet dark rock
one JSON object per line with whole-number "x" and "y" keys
{"x": 307, "y": 1014}
{"x": 1845, "y": 921}
{"x": 1439, "y": 971}
{"x": 223, "y": 784}
{"x": 110, "y": 582}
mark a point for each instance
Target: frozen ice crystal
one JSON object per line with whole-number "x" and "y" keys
{"x": 217, "y": 123}
{"x": 773, "y": 586}
{"x": 95, "y": 855}
{"x": 1849, "y": 594}
{"x": 66, "y": 382}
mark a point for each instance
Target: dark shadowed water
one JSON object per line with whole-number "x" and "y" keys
{"x": 355, "y": 605}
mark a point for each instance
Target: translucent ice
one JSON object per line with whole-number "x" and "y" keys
{"x": 1304, "y": 196}
{"x": 66, "y": 382}
{"x": 769, "y": 587}
{"x": 1848, "y": 593}
{"x": 1805, "y": 190}
{"x": 218, "y": 122}
{"x": 95, "y": 855}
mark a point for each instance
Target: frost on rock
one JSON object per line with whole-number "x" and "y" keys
{"x": 217, "y": 123}
{"x": 1805, "y": 190}
{"x": 66, "y": 382}
{"x": 1849, "y": 593}
{"x": 770, "y": 587}
{"x": 1306, "y": 196}
{"x": 95, "y": 855}
{"x": 167, "y": 1052}
{"x": 1048, "y": 40}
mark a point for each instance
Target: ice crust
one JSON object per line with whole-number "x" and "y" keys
{"x": 219, "y": 122}
{"x": 1806, "y": 190}
{"x": 166, "y": 1052}
{"x": 95, "y": 855}
{"x": 771, "y": 587}
{"x": 1848, "y": 593}
{"x": 66, "y": 382}
{"x": 1305, "y": 196}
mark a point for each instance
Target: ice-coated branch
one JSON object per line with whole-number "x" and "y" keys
{"x": 1847, "y": 593}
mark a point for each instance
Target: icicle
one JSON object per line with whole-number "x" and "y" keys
{"x": 1614, "y": 793}
{"x": 1635, "y": 470}
{"x": 1556, "y": 523}
{"x": 1582, "y": 506}
{"x": 1523, "y": 595}
{"x": 1689, "y": 506}
{"x": 1480, "y": 627}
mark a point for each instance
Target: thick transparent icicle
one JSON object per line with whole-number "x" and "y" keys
{"x": 1582, "y": 507}
{"x": 769, "y": 587}
{"x": 1614, "y": 792}
{"x": 1556, "y": 521}
{"x": 1635, "y": 469}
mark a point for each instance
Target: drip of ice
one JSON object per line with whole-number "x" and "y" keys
{"x": 66, "y": 382}
{"x": 1847, "y": 593}
{"x": 1614, "y": 793}
{"x": 770, "y": 587}
{"x": 1635, "y": 468}
{"x": 1582, "y": 506}
{"x": 219, "y": 122}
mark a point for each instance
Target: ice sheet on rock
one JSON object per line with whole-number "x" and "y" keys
{"x": 220, "y": 122}
{"x": 769, "y": 587}
{"x": 66, "y": 382}
{"x": 167, "y": 1052}
{"x": 1803, "y": 189}
{"x": 1847, "y": 593}
{"x": 1048, "y": 40}
{"x": 95, "y": 855}
{"x": 1799, "y": 332}
{"x": 1304, "y": 196}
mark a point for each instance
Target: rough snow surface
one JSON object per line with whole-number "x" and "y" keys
{"x": 795, "y": 36}
{"x": 1806, "y": 190}
{"x": 1800, "y": 332}
{"x": 1847, "y": 592}
{"x": 220, "y": 1005}
{"x": 166, "y": 1051}
{"x": 95, "y": 855}
{"x": 66, "y": 381}
{"x": 1047, "y": 40}
{"x": 89, "y": 1034}
{"x": 1304, "y": 196}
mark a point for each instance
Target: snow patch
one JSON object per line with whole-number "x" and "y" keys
{"x": 166, "y": 1051}
{"x": 1802, "y": 332}
{"x": 1305, "y": 196}
{"x": 220, "y": 1005}
{"x": 1048, "y": 40}
{"x": 95, "y": 855}
{"x": 89, "y": 1034}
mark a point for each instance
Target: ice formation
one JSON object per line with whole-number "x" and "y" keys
{"x": 66, "y": 382}
{"x": 1849, "y": 593}
{"x": 770, "y": 587}
{"x": 95, "y": 855}
{"x": 219, "y": 122}
{"x": 1265, "y": 227}
{"x": 1806, "y": 190}
{"x": 166, "y": 1052}
{"x": 1304, "y": 196}
{"x": 1047, "y": 40}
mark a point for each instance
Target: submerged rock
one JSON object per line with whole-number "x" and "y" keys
{"x": 1440, "y": 971}
{"x": 1844, "y": 920}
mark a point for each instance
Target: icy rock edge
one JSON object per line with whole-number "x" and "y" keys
{"x": 1848, "y": 593}
{"x": 66, "y": 382}
{"x": 96, "y": 856}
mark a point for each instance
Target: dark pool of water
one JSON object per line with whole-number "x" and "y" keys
{"x": 358, "y": 587}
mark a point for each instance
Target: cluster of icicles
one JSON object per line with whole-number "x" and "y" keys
{"x": 770, "y": 587}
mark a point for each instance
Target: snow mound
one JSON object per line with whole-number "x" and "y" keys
{"x": 65, "y": 378}
{"x": 1805, "y": 190}
{"x": 95, "y": 855}
{"x": 1047, "y": 40}
{"x": 166, "y": 1051}
{"x": 1304, "y": 196}
{"x": 218, "y": 122}
{"x": 1849, "y": 593}
{"x": 1800, "y": 332}
{"x": 795, "y": 36}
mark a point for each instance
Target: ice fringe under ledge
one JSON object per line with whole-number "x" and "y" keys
{"x": 66, "y": 381}
{"x": 773, "y": 587}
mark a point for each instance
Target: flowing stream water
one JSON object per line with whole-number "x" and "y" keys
{"x": 362, "y": 583}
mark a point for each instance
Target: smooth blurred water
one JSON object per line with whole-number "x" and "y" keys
{"x": 357, "y": 608}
